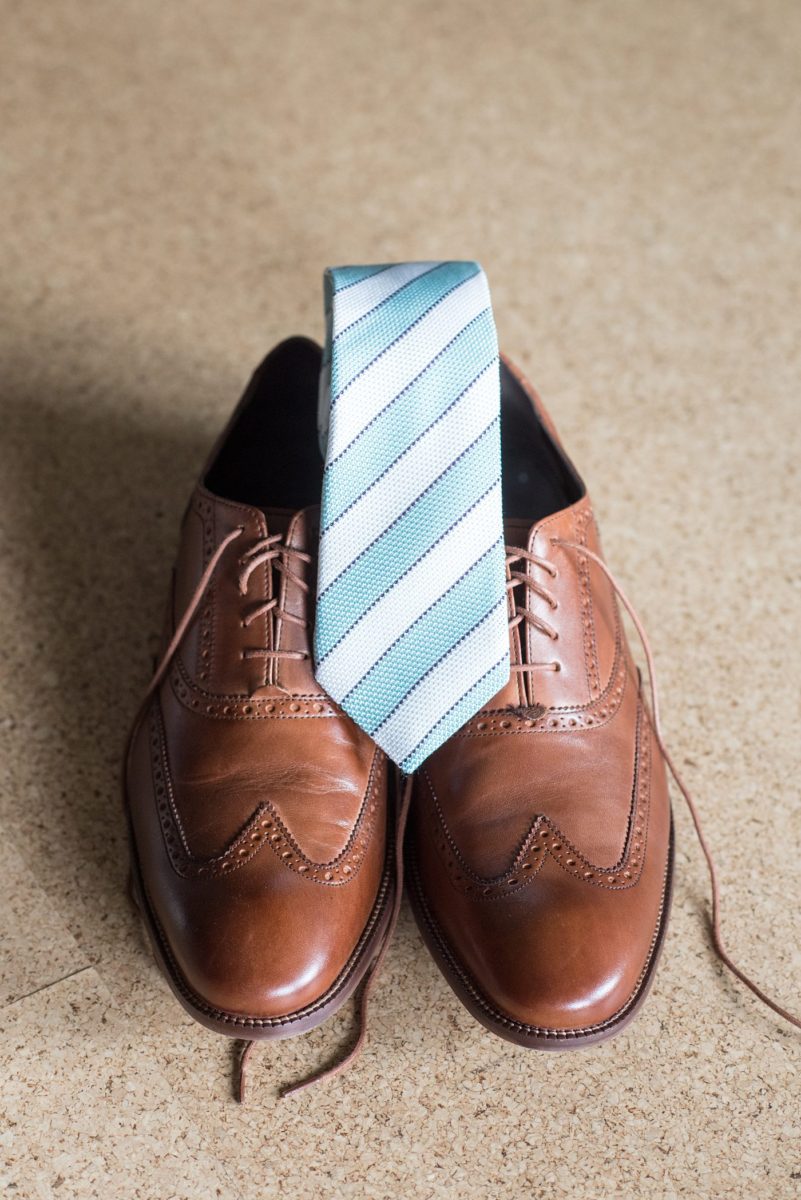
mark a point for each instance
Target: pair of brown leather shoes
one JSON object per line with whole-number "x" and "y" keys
{"x": 261, "y": 816}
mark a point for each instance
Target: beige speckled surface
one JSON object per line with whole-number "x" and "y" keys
{"x": 173, "y": 179}
{"x": 36, "y": 948}
{"x": 86, "y": 1113}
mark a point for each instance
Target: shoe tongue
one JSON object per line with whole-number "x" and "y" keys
{"x": 298, "y": 528}
{"x": 278, "y": 519}
{"x": 516, "y": 531}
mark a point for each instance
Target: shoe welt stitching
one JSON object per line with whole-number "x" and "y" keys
{"x": 538, "y": 1030}
{"x": 270, "y": 1022}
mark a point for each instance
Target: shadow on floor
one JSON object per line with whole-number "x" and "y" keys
{"x": 95, "y": 482}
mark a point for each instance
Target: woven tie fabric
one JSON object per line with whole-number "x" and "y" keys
{"x": 411, "y": 631}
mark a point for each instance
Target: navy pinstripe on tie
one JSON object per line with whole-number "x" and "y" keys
{"x": 411, "y": 633}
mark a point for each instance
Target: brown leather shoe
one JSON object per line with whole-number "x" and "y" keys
{"x": 540, "y": 853}
{"x": 257, "y": 809}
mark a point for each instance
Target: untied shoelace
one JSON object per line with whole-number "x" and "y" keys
{"x": 273, "y": 548}
{"x": 265, "y": 549}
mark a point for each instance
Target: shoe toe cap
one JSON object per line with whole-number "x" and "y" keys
{"x": 558, "y": 958}
{"x": 261, "y": 952}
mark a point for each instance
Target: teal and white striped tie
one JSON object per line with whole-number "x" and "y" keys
{"x": 411, "y": 634}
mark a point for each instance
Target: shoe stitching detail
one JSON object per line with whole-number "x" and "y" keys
{"x": 206, "y": 646}
{"x": 545, "y": 840}
{"x": 581, "y": 521}
{"x": 234, "y": 706}
{"x": 265, "y": 827}
{"x": 564, "y": 718}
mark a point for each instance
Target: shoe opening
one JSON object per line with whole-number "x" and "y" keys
{"x": 268, "y": 456}
{"x": 538, "y": 478}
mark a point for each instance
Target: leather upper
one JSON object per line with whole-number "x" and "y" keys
{"x": 541, "y": 830}
{"x": 258, "y": 809}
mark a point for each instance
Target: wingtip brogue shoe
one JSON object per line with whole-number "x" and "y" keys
{"x": 541, "y": 846}
{"x": 257, "y": 809}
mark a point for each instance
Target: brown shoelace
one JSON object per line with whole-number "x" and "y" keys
{"x": 717, "y": 936}
{"x": 271, "y": 549}
{"x": 267, "y": 549}
{"x": 514, "y": 555}
{"x": 363, "y": 995}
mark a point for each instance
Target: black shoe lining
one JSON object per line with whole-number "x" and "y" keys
{"x": 269, "y": 455}
{"x": 538, "y": 479}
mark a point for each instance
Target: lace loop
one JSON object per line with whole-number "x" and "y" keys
{"x": 524, "y": 615}
{"x": 266, "y": 549}
{"x": 272, "y": 549}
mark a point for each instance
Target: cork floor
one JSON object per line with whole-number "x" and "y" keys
{"x": 174, "y": 179}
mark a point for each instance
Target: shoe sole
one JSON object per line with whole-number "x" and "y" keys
{"x": 531, "y": 1036}
{"x": 239, "y": 1025}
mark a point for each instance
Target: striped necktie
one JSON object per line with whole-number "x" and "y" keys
{"x": 411, "y": 634}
